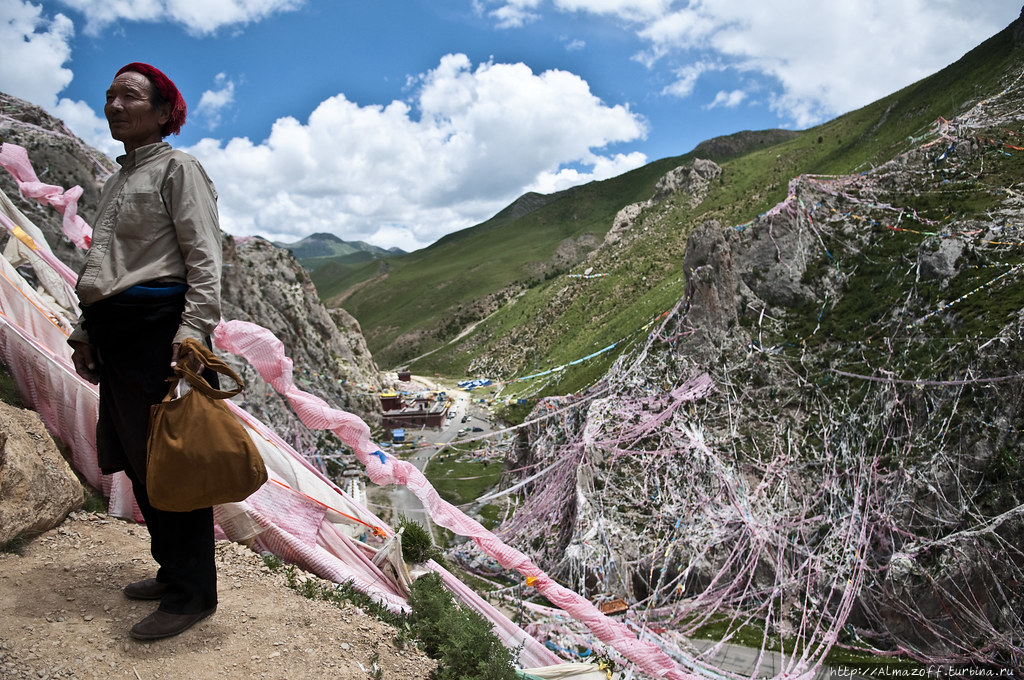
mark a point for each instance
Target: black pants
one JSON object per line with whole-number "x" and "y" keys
{"x": 182, "y": 544}
{"x": 133, "y": 338}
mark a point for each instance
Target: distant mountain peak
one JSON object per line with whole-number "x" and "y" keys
{"x": 315, "y": 249}
{"x": 738, "y": 143}
{"x": 324, "y": 236}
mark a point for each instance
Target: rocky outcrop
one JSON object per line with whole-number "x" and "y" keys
{"x": 838, "y": 390}
{"x": 686, "y": 183}
{"x": 691, "y": 181}
{"x": 59, "y": 158}
{"x": 266, "y": 285}
{"x": 714, "y": 287}
{"x": 37, "y": 487}
{"x": 624, "y": 219}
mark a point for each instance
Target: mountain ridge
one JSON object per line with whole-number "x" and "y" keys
{"x": 474, "y": 283}
{"x": 321, "y": 248}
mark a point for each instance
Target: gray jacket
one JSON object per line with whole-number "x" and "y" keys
{"x": 157, "y": 221}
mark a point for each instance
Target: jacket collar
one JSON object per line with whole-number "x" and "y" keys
{"x": 141, "y": 155}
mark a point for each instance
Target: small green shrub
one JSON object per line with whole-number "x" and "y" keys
{"x": 461, "y": 640}
{"x": 8, "y": 390}
{"x": 429, "y": 601}
{"x": 94, "y": 500}
{"x": 416, "y": 544}
{"x": 338, "y": 594}
{"x": 472, "y": 651}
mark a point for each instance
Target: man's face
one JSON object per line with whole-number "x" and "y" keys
{"x": 130, "y": 113}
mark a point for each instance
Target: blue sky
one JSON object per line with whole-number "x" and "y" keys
{"x": 397, "y": 122}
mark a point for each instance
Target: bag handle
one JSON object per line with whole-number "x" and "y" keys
{"x": 192, "y": 347}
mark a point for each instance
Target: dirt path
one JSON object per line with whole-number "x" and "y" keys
{"x": 62, "y": 615}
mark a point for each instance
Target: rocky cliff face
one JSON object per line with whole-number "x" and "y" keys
{"x": 58, "y": 158}
{"x": 266, "y": 285}
{"x": 262, "y": 283}
{"x": 825, "y": 433}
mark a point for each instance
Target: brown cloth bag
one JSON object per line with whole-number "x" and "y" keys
{"x": 198, "y": 452}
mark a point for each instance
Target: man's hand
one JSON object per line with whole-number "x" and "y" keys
{"x": 192, "y": 361}
{"x": 86, "y": 362}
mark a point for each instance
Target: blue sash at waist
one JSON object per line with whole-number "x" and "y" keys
{"x": 150, "y": 291}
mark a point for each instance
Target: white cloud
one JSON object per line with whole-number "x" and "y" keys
{"x": 213, "y": 102}
{"x": 33, "y": 51}
{"x": 820, "y": 58}
{"x": 686, "y": 79}
{"x": 199, "y": 17}
{"x": 628, "y": 10}
{"x": 511, "y": 14}
{"x": 869, "y": 50}
{"x": 91, "y": 128}
{"x": 513, "y": 17}
{"x": 673, "y": 31}
{"x": 404, "y": 175}
{"x": 604, "y": 167}
{"x": 516, "y": 13}
{"x": 729, "y": 100}
{"x": 831, "y": 57}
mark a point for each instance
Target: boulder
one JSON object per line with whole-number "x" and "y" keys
{"x": 691, "y": 181}
{"x": 37, "y": 487}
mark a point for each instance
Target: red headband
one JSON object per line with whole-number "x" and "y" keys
{"x": 167, "y": 90}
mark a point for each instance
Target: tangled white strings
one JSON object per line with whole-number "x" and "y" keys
{"x": 822, "y": 503}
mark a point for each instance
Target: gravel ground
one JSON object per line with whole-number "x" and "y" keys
{"x": 63, "y": 615}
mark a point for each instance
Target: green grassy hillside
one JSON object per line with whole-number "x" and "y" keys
{"x": 505, "y": 274}
{"x": 433, "y": 290}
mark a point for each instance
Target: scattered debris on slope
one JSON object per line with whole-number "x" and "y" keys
{"x": 823, "y": 437}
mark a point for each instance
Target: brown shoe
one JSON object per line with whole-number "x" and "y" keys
{"x": 160, "y": 624}
{"x": 146, "y": 589}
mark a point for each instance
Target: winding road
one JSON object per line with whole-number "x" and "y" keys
{"x": 403, "y": 501}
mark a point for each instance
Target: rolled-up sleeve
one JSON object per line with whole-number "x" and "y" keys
{"x": 191, "y": 202}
